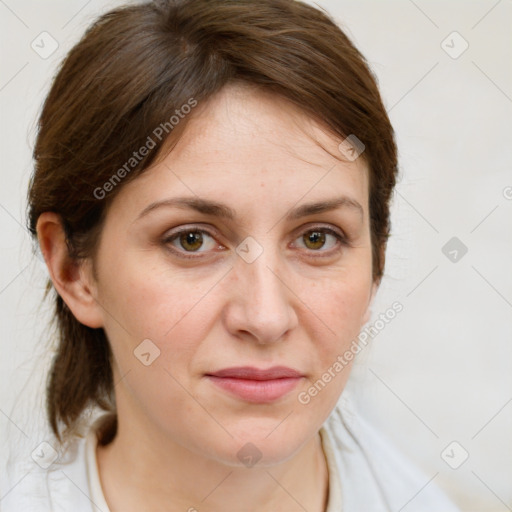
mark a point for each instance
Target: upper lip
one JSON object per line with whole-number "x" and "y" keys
{"x": 251, "y": 373}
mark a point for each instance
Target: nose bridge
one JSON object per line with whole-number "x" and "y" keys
{"x": 263, "y": 283}
{"x": 264, "y": 296}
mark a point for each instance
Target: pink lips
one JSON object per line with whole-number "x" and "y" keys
{"x": 256, "y": 385}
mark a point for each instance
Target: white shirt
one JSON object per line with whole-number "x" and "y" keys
{"x": 366, "y": 473}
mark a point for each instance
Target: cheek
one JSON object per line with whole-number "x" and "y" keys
{"x": 150, "y": 302}
{"x": 340, "y": 306}
{"x": 148, "y": 305}
{"x": 338, "y": 321}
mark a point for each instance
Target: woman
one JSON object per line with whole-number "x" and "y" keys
{"x": 211, "y": 197}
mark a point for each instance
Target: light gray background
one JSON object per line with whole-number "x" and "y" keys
{"x": 441, "y": 371}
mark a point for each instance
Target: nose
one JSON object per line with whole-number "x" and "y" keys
{"x": 261, "y": 303}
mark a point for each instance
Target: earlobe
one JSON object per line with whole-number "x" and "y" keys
{"x": 72, "y": 280}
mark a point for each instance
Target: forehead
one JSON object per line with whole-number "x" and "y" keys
{"x": 241, "y": 119}
{"x": 247, "y": 144}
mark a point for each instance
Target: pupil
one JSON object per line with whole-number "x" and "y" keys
{"x": 316, "y": 237}
{"x": 193, "y": 238}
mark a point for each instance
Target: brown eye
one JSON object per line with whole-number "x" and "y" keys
{"x": 315, "y": 238}
{"x": 190, "y": 241}
{"x": 322, "y": 240}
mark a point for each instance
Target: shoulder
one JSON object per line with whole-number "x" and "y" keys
{"x": 374, "y": 473}
{"x": 42, "y": 476}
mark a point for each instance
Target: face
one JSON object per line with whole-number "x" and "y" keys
{"x": 271, "y": 285}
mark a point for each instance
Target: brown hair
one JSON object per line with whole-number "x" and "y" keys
{"x": 131, "y": 72}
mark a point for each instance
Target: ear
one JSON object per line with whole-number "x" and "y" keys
{"x": 367, "y": 314}
{"x": 73, "y": 281}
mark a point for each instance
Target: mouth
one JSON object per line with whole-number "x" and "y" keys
{"x": 256, "y": 385}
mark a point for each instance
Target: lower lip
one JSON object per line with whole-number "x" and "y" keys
{"x": 256, "y": 391}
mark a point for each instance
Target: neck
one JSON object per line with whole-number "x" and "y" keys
{"x": 159, "y": 474}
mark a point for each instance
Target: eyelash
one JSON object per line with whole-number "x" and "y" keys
{"x": 343, "y": 240}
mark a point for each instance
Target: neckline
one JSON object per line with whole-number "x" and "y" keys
{"x": 97, "y": 496}
{"x": 334, "y": 500}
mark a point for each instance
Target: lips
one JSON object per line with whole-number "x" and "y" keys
{"x": 254, "y": 384}
{"x": 251, "y": 373}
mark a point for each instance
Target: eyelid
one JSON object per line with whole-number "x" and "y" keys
{"x": 329, "y": 228}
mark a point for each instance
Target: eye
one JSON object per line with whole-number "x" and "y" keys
{"x": 191, "y": 240}
{"x": 317, "y": 238}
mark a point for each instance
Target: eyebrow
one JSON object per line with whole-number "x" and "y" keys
{"x": 221, "y": 210}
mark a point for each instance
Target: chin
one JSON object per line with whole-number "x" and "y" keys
{"x": 262, "y": 446}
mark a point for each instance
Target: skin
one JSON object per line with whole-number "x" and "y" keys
{"x": 178, "y": 436}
